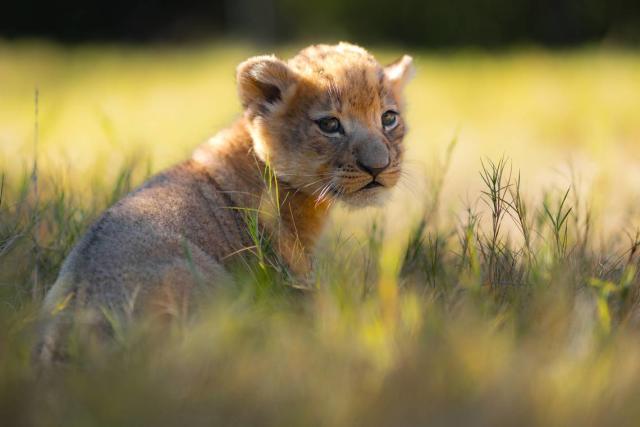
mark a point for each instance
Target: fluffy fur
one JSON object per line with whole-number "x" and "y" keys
{"x": 184, "y": 225}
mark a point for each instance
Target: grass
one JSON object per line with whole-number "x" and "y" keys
{"x": 500, "y": 286}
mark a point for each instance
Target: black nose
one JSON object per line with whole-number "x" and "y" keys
{"x": 373, "y": 171}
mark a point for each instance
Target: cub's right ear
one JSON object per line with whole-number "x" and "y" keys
{"x": 263, "y": 81}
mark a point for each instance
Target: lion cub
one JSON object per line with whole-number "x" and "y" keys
{"x": 327, "y": 123}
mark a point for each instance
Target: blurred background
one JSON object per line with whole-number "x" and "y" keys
{"x": 418, "y": 23}
{"x": 97, "y": 95}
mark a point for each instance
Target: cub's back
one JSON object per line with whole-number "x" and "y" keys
{"x": 175, "y": 229}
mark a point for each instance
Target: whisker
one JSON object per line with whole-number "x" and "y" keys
{"x": 324, "y": 193}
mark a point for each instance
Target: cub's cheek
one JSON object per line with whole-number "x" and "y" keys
{"x": 389, "y": 180}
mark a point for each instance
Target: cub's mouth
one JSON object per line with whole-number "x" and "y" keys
{"x": 372, "y": 184}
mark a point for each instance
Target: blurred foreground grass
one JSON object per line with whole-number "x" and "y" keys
{"x": 486, "y": 293}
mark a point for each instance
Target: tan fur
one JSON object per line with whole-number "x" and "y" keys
{"x": 182, "y": 227}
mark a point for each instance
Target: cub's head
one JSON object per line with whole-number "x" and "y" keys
{"x": 329, "y": 121}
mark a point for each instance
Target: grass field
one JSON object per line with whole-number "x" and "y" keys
{"x": 500, "y": 286}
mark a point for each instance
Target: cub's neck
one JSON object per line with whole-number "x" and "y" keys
{"x": 293, "y": 219}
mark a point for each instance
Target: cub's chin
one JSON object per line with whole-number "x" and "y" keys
{"x": 365, "y": 197}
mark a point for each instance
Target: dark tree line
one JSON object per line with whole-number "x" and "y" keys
{"x": 431, "y": 23}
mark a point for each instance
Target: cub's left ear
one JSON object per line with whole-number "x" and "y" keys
{"x": 400, "y": 72}
{"x": 264, "y": 81}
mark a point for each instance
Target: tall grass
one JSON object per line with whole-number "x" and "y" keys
{"x": 483, "y": 323}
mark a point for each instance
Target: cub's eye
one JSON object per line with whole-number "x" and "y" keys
{"x": 329, "y": 125}
{"x": 389, "y": 119}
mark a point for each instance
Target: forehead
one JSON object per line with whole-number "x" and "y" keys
{"x": 343, "y": 78}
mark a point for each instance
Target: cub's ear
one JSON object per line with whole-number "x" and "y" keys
{"x": 264, "y": 81}
{"x": 400, "y": 72}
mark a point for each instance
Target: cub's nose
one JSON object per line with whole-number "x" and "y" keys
{"x": 373, "y": 157}
{"x": 374, "y": 171}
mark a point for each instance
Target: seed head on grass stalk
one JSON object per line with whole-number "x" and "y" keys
{"x": 497, "y": 181}
{"x": 559, "y": 227}
{"x": 467, "y": 238}
{"x": 519, "y": 212}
